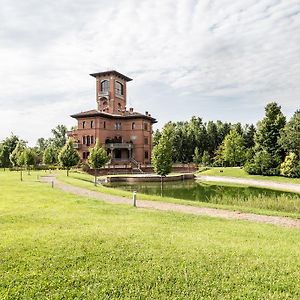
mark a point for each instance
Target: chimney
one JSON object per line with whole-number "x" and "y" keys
{"x": 146, "y": 113}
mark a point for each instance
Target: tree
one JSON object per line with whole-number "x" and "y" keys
{"x": 162, "y": 155}
{"x": 197, "y": 156}
{"x": 7, "y": 147}
{"x": 50, "y": 156}
{"x": 249, "y": 134}
{"x": 98, "y": 158}
{"x": 68, "y": 156}
{"x": 29, "y": 157}
{"x": 291, "y": 166}
{"x": 14, "y": 156}
{"x": 263, "y": 163}
{"x": 268, "y": 151}
{"x": 268, "y": 131}
{"x": 205, "y": 158}
{"x": 60, "y": 136}
{"x": 290, "y": 135}
{"x": 233, "y": 149}
{"x": 4, "y": 156}
{"x": 156, "y": 137}
{"x": 42, "y": 144}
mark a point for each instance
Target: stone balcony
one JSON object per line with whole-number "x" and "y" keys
{"x": 112, "y": 146}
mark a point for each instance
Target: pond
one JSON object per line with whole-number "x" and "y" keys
{"x": 199, "y": 191}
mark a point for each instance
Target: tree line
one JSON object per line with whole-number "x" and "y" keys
{"x": 272, "y": 147}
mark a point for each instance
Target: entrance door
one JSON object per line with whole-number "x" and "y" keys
{"x": 117, "y": 153}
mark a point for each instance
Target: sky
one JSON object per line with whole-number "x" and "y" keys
{"x": 219, "y": 60}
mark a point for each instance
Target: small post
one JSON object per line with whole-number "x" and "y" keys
{"x": 52, "y": 184}
{"x": 134, "y": 198}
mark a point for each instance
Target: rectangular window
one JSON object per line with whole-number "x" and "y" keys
{"x": 145, "y": 140}
{"x": 92, "y": 124}
{"x": 83, "y": 124}
{"x": 104, "y": 124}
{"x": 118, "y": 126}
{"x": 83, "y": 140}
{"x": 145, "y": 126}
{"x": 92, "y": 139}
{"x": 146, "y": 155}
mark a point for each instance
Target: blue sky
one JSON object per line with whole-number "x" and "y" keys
{"x": 214, "y": 59}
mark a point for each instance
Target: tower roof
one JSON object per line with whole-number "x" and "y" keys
{"x": 112, "y": 72}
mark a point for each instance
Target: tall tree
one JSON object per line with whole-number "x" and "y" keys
{"x": 162, "y": 154}
{"x": 290, "y": 135}
{"x": 98, "y": 158}
{"x": 268, "y": 151}
{"x": 15, "y": 155}
{"x": 249, "y": 134}
{"x": 233, "y": 148}
{"x": 68, "y": 156}
{"x": 60, "y": 136}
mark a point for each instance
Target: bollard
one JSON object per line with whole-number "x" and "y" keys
{"x": 52, "y": 184}
{"x": 134, "y": 198}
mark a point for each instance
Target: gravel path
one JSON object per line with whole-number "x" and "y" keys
{"x": 164, "y": 206}
{"x": 254, "y": 182}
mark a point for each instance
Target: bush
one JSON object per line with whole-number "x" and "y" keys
{"x": 291, "y": 166}
{"x": 263, "y": 163}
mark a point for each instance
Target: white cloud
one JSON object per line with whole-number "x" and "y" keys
{"x": 234, "y": 52}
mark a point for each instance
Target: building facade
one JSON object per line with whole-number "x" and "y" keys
{"x": 126, "y": 134}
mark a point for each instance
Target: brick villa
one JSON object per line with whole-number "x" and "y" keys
{"x": 126, "y": 134}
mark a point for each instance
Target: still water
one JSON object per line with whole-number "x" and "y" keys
{"x": 196, "y": 190}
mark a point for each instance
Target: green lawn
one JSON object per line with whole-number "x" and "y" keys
{"x": 59, "y": 246}
{"x": 240, "y": 173}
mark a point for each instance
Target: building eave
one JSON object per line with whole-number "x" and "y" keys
{"x": 112, "y": 72}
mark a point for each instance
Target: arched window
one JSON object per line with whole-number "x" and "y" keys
{"x": 104, "y": 86}
{"x": 83, "y": 140}
{"x": 83, "y": 124}
{"x": 88, "y": 141}
{"x": 119, "y": 88}
{"x": 133, "y": 125}
{"x": 92, "y": 139}
{"x": 104, "y": 124}
{"x": 92, "y": 124}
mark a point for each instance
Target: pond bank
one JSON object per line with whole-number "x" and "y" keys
{"x": 149, "y": 178}
{"x": 291, "y": 187}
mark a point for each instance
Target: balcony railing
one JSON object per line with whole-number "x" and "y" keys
{"x": 128, "y": 146}
{"x": 76, "y": 145}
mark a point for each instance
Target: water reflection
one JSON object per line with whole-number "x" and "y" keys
{"x": 196, "y": 190}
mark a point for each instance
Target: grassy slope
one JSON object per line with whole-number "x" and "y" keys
{"x": 277, "y": 207}
{"x": 56, "y": 245}
{"x": 240, "y": 173}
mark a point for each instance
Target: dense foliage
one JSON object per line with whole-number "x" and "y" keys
{"x": 68, "y": 156}
{"x": 98, "y": 157}
{"x": 162, "y": 154}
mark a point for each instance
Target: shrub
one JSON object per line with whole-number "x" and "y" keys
{"x": 291, "y": 166}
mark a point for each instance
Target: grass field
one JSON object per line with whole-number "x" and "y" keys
{"x": 240, "y": 173}
{"x": 58, "y": 246}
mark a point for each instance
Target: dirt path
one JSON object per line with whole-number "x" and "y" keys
{"x": 164, "y": 206}
{"x": 253, "y": 182}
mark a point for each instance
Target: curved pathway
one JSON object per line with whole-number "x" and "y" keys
{"x": 164, "y": 206}
{"x": 253, "y": 182}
